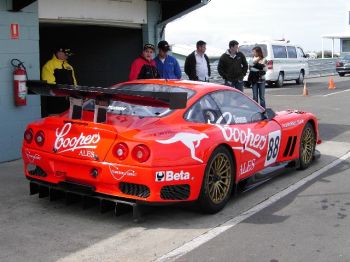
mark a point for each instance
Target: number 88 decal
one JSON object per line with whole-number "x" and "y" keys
{"x": 274, "y": 141}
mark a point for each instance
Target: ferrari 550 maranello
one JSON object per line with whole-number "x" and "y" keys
{"x": 157, "y": 141}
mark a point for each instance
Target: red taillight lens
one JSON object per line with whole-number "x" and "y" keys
{"x": 339, "y": 64}
{"x": 121, "y": 151}
{"x": 39, "y": 138}
{"x": 270, "y": 64}
{"x": 28, "y": 135}
{"x": 141, "y": 153}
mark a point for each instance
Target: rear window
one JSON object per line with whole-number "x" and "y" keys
{"x": 127, "y": 108}
{"x": 292, "y": 52}
{"x": 247, "y": 49}
{"x": 279, "y": 51}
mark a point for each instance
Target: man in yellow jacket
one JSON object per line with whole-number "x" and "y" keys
{"x": 57, "y": 70}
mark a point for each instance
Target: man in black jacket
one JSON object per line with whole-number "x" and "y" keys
{"x": 197, "y": 65}
{"x": 233, "y": 66}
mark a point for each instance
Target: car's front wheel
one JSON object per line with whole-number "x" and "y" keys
{"x": 307, "y": 146}
{"x": 341, "y": 74}
{"x": 217, "y": 182}
{"x": 300, "y": 79}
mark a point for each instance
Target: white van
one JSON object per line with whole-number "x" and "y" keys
{"x": 284, "y": 61}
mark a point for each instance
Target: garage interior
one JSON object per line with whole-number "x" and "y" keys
{"x": 102, "y": 55}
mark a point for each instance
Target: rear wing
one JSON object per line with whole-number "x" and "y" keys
{"x": 172, "y": 100}
{"x": 103, "y": 96}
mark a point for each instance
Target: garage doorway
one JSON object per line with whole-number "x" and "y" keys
{"x": 102, "y": 55}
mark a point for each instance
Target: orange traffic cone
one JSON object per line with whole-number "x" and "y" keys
{"x": 331, "y": 83}
{"x": 305, "y": 91}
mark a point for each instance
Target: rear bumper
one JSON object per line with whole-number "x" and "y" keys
{"x": 146, "y": 184}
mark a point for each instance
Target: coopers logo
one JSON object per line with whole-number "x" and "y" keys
{"x": 166, "y": 176}
{"x": 64, "y": 143}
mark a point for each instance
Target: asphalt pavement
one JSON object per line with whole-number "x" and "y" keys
{"x": 276, "y": 221}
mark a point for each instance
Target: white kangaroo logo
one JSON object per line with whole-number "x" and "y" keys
{"x": 189, "y": 140}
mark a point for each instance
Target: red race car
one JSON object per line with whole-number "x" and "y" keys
{"x": 158, "y": 141}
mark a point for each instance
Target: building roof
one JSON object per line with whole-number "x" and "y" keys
{"x": 338, "y": 35}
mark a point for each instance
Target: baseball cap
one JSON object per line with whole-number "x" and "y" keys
{"x": 164, "y": 45}
{"x": 148, "y": 46}
{"x": 67, "y": 51}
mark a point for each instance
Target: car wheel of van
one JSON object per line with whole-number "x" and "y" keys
{"x": 307, "y": 146}
{"x": 217, "y": 182}
{"x": 300, "y": 79}
{"x": 280, "y": 79}
{"x": 341, "y": 74}
{"x": 269, "y": 83}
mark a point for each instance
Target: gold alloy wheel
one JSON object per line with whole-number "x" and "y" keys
{"x": 307, "y": 145}
{"x": 219, "y": 178}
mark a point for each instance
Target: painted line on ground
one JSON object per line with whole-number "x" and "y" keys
{"x": 214, "y": 232}
{"x": 335, "y": 93}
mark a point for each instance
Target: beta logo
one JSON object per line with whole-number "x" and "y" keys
{"x": 167, "y": 176}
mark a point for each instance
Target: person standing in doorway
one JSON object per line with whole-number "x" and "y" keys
{"x": 257, "y": 71}
{"x": 197, "y": 66}
{"x": 57, "y": 71}
{"x": 144, "y": 66}
{"x": 167, "y": 65}
{"x": 233, "y": 66}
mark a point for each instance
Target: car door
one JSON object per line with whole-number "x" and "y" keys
{"x": 254, "y": 139}
{"x": 294, "y": 64}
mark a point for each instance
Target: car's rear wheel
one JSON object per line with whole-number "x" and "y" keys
{"x": 217, "y": 182}
{"x": 280, "y": 80}
{"x": 300, "y": 79}
{"x": 307, "y": 146}
{"x": 341, "y": 74}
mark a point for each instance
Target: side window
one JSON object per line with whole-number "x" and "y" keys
{"x": 300, "y": 52}
{"x": 279, "y": 51}
{"x": 236, "y": 108}
{"x": 292, "y": 52}
{"x": 204, "y": 110}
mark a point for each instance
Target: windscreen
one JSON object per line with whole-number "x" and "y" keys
{"x": 247, "y": 49}
{"x": 133, "y": 108}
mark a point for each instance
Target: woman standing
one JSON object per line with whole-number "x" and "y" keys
{"x": 257, "y": 67}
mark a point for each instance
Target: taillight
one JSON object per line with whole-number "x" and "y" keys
{"x": 270, "y": 64}
{"x": 28, "y": 135}
{"x": 121, "y": 151}
{"x": 141, "y": 153}
{"x": 339, "y": 64}
{"x": 39, "y": 138}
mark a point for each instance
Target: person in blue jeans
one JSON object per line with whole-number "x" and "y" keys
{"x": 167, "y": 65}
{"x": 257, "y": 71}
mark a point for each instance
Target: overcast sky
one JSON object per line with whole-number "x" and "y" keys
{"x": 302, "y": 22}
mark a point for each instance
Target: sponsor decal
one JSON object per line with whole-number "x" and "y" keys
{"x": 273, "y": 147}
{"x": 64, "y": 143}
{"x": 118, "y": 174}
{"x": 116, "y": 108}
{"x": 32, "y": 156}
{"x": 293, "y": 123}
{"x": 190, "y": 140}
{"x": 251, "y": 141}
{"x": 247, "y": 166}
{"x": 87, "y": 153}
{"x": 167, "y": 176}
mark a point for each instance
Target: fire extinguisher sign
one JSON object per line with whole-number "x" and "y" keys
{"x": 14, "y": 28}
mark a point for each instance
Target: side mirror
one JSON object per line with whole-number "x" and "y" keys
{"x": 269, "y": 113}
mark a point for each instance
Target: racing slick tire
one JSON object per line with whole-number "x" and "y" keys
{"x": 217, "y": 182}
{"x": 307, "y": 146}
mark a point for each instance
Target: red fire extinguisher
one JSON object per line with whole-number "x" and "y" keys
{"x": 19, "y": 82}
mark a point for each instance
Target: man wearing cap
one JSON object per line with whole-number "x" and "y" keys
{"x": 57, "y": 70}
{"x": 167, "y": 65}
{"x": 144, "y": 66}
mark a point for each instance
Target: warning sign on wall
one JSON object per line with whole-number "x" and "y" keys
{"x": 14, "y": 31}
